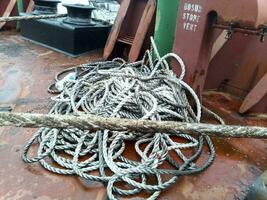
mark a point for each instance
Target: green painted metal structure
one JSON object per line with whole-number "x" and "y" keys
{"x": 166, "y": 25}
{"x": 20, "y": 9}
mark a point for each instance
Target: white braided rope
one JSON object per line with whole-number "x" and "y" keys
{"x": 146, "y": 89}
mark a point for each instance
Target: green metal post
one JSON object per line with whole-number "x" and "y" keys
{"x": 20, "y": 9}
{"x": 166, "y": 25}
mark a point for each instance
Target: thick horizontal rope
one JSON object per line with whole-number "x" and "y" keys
{"x": 95, "y": 123}
{"x": 30, "y": 17}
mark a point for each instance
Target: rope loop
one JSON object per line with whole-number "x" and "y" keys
{"x": 146, "y": 89}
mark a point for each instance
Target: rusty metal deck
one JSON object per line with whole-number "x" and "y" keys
{"x": 26, "y": 70}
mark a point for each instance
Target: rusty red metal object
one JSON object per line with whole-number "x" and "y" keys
{"x": 255, "y": 95}
{"x": 134, "y": 24}
{"x": 9, "y": 8}
{"x": 238, "y": 68}
{"x": 195, "y": 35}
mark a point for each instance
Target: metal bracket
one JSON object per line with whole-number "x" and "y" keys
{"x": 262, "y": 33}
{"x": 230, "y": 30}
{"x": 233, "y": 27}
{"x": 6, "y": 108}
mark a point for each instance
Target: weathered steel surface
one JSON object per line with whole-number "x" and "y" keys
{"x": 26, "y": 70}
{"x": 8, "y": 8}
{"x": 116, "y": 28}
{"x": 238, "y": 67}
{"x": 195, "y": 36}
{"x": 132, "y": 29}
{"x": 8, "y": 11}
{"x": 255, "y": 95}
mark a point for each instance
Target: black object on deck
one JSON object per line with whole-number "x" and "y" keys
{"x": 74, "y": 35}
{"x": 45, "y": 7}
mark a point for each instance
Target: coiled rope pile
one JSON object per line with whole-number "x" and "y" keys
{"x": 147, "y": 90}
